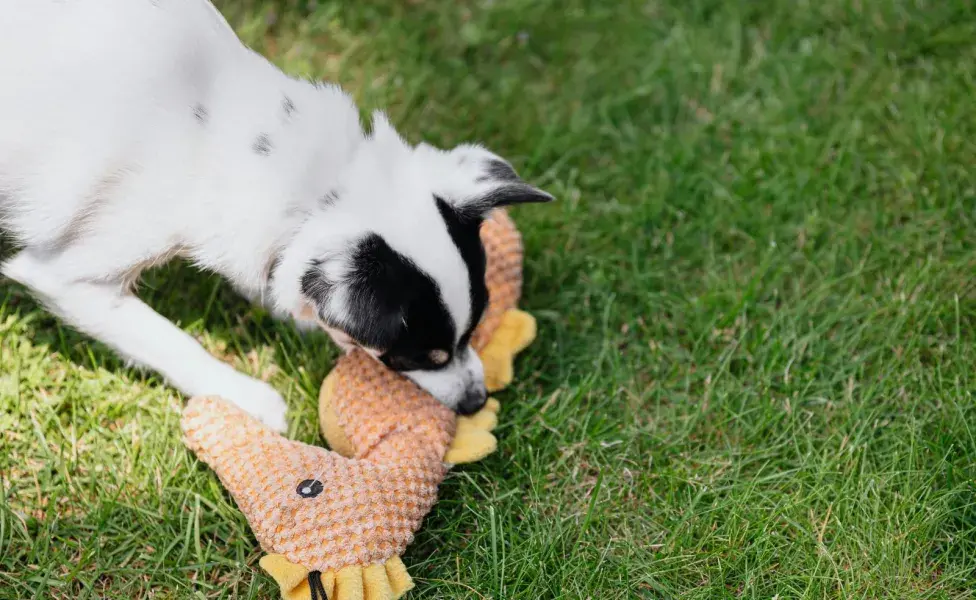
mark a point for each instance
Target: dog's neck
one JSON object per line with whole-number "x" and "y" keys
{"x": 275, "y": 147}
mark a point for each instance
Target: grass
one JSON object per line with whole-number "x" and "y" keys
{"x": 756, "y": 300}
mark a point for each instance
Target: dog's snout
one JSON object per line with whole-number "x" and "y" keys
{"x": 460, "y": 385}
{"x": 472, "y": 401}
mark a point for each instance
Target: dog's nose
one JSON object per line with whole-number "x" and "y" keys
{"x": 472, "y": 402}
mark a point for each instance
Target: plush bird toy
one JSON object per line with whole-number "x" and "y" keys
{"x": 334, "y": 523}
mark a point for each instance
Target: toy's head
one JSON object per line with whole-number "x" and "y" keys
{"x": 327, "y": 522}
{"x": 316, "y": 508}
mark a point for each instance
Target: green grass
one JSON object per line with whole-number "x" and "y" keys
{"x": 756, "y": 300}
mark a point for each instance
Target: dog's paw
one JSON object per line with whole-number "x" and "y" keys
{"x": 257, "y": 398}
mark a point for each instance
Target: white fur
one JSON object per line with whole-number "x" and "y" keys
{"x": 108, "y": 166}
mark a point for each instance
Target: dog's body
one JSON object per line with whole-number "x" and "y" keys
{"x": 135, "y": 131}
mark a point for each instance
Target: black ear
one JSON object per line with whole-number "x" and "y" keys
{"x": 369, "y": 302}
{"x": 507, "y": 189}
{"x": 516, "y": 193}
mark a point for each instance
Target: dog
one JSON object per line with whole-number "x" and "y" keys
{"x": 133, "y": 132}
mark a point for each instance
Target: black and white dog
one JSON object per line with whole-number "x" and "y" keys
{"x": 136, "y": 131}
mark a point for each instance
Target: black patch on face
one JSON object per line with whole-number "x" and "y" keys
{"x": 201, "y": 114}
{"x": 316, "y": 287}
{"x": 287, "y": 107}
{"x": 498, "y": 170}
{"x": 391, "y": 306}
{"x": 262, "y": 145}
{"x": 465, "y": 232}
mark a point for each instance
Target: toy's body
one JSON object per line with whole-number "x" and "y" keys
{"x": 335, "y": 522}
{"x": 311, "y": 507}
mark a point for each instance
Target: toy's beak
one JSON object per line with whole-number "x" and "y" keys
{"x": 381, "y": 581}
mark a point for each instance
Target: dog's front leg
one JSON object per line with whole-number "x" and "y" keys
{"x": 119, "y": 319}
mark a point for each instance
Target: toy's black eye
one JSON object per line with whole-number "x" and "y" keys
{"x": 310, "y": 488}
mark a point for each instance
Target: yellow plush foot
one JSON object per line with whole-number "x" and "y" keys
{"x": 486, "y": 418}
{"x": 337, "y": 439}
{"x": 515, "y": 332}
{"x": 473, "y": 439}
{"x": 386, "y": 581}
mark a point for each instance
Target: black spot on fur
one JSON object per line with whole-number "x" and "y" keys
{"x": 465, "y": 232}
{"x": 201, "y": 114}
{"x": 329, "y": 198}
{"x": 273, "y": 265}
{"x": 262, "y": 145}
{"x": 499, "y": 170}
{"x": 287, "y": 107}
{"x": 8, "y": 246}
{"x": 392, "y": 305}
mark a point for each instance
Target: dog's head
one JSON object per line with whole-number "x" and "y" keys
{"x": 395, "y": 264}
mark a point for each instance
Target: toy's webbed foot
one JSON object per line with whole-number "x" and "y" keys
{"x": 515, "y": 332}
{"x": 473, "y": 439}
{"x": 381, "y": 581}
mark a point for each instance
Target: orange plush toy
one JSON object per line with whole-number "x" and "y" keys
{"x": 336, "y": 522}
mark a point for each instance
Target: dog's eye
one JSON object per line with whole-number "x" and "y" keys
{"x": 426, "y": 361}
{"x": 310, "y": 488}
{"x": 439, "y": 357}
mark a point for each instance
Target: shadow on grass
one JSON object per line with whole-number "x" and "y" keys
{"x": 203, "y": 305}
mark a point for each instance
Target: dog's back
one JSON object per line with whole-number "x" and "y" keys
{"x": 89, "y": 90}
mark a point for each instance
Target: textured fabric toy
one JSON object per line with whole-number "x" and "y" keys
{"x": 335, "y": 522}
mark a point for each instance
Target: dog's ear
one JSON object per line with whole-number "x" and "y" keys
{"x": 508, "y": 194}
{"x": 363, "y": 293}
{"x": 495, "y": 184}
{"x": 388, "y": 145}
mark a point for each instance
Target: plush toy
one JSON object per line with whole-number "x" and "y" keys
{"x": 336, "y": 522}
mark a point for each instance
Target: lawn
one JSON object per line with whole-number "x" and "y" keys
{"x": 755, "y": 293}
